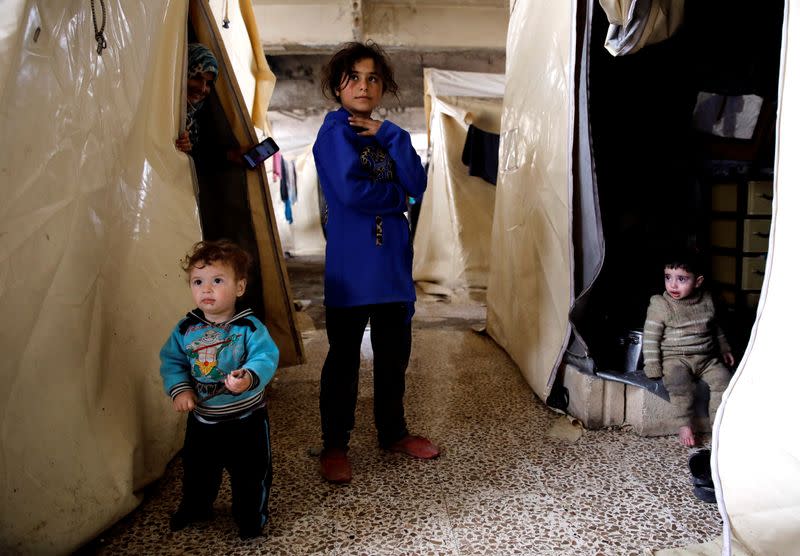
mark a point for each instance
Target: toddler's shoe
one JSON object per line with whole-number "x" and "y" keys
{"x": 246, "y": 533}
{"x": 185, "y": 517}
{"x": 415, "y": 446}
{"x": 334, "y": 466}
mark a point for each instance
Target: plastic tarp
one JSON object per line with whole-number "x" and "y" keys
{"x": 9, "y": 31}
{"x": 588, "y": 241}
{"x": 247, "y": 59}
{"x": 453, "y": 234}
{"x": 531, "y": 270}
{"x": 756, "y": 446}
{"x": 98, "y": 208}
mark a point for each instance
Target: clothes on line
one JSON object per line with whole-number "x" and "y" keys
{"x": 288, "y": 177}
{"x": 481, "y": 153}
{"x": 277, "y": 165}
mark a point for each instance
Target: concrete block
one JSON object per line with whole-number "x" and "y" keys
{"x": 600, "y": 403}
{"x": 650, "y": 415}
{"x": 597, "y": 403}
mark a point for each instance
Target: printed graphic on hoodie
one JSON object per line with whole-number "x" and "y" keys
{"x": 204, "y": 353}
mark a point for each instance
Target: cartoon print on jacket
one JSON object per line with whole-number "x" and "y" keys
{"x": 204, "y": 353}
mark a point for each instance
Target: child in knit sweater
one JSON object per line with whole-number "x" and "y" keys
{"x": 683, "y": 343}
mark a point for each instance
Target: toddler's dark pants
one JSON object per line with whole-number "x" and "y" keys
{"x": 390, "y": 332}
{"x": 680, "y": 374}
{"x": 242, "y": 447}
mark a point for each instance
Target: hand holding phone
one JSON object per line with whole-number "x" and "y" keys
{"x": 260, "y": 152}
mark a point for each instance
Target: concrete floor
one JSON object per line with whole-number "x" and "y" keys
{"x": 514, "y": 477}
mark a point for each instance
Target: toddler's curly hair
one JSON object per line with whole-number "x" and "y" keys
{"x": 222, "y": 251}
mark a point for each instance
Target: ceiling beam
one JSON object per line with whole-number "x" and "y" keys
{"x": 306, "y": 26}
{"x": 358, "y": 20}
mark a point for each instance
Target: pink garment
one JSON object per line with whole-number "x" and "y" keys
{"x": 276, "y": 164}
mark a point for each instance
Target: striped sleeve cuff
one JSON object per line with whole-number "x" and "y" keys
{"x": 180, "y": 387}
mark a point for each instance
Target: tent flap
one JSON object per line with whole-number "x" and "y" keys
{"x": 530, "y": 270}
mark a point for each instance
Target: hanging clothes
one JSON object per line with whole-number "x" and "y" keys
{"x": 637, "y": 23}
{"x": 481, "y": 152}
{"x": 288, "y": 188}
{"x": 284, "y": 174}
{"x": 277, "y": 165}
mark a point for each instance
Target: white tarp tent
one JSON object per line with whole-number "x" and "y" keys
{"x": 98, "y": 209}
{"x": 756, "y": 446}
{"x": 530, "y": 278}
{"x": 451, "y": 244}
{"x": 531, "y": 282}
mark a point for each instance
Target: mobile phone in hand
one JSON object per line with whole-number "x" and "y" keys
{"x": 260, "y": 152}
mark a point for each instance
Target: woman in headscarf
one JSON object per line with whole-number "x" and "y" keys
{"x": 202, "y": 74}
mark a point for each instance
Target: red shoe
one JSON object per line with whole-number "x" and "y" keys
{"x": 415, "y": 446}
{"x": 334, "y": 466}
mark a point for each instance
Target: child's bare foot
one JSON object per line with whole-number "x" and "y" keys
{"x": 686, "y": 436}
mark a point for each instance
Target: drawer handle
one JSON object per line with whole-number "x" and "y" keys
{"x": 767, "y": 197}
{"x": 759, "y": 272}
{"x": 761, "y": 235}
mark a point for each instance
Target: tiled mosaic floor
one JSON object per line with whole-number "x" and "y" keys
{"x": 502, "y": 485}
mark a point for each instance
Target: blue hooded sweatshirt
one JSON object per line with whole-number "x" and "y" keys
{"x": 199, "y": 354}
{"x": 366, "y": 182}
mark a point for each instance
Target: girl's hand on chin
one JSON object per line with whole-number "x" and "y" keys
{"x": 369, "y": 126}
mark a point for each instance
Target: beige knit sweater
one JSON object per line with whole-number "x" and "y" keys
{"x": 680, "y": 327}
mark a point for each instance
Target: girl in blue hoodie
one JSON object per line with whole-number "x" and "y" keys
{"x": 368, "y": 169}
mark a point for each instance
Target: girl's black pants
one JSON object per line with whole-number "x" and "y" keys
{"x": 390, "y": 335}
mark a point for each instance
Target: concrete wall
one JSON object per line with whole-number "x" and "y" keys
{"x": 284, "y": 24}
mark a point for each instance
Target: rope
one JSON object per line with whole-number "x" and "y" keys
{"x": 98, "y": 33}
{"x": 226, "y": 23}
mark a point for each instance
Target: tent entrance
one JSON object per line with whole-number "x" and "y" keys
{"x": 665, "y": 182}
{"x": 234, "y": 202}
{"x": 222, "y": 202}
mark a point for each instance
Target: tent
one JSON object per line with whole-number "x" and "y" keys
{"x": 530, "y": 286}
{"x": 99, "y": 208}
{"x": 452, "y": 238}
{"x": 758, "y": 480}
{"x": 545, "y": 243}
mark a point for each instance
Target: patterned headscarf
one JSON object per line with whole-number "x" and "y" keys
{"x": 201, "y": 60}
